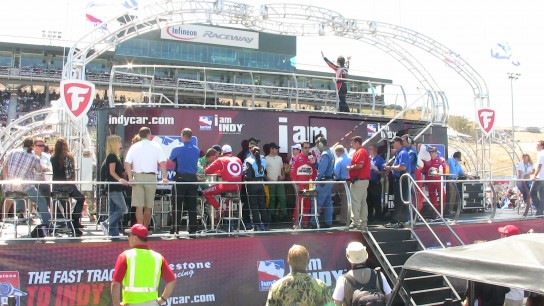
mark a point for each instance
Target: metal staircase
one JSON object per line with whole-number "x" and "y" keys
{"x": 392, "y": 247}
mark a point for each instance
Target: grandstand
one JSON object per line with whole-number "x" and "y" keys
{"x": 187, "y": 73}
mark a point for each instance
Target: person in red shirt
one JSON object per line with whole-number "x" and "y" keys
{"x": 303, "y": 169}
{"x": 430, "y": 168}
{"x": 359, "y": 174}
{"x": 137, "y": 239}
{"x": 341, "y": 72}
{"x": 229, "y": 168}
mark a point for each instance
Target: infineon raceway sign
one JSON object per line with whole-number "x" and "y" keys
{"x": 212, "y": 35}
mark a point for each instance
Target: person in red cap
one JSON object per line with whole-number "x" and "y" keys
{"x": 508, "y": 230}
{"x": 138, "y": 272}
{"x": 515, "y": 296}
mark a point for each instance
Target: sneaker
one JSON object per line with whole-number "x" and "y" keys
{"x": 104, "y": 228}
{"x": 390, "y": 225}
{"x": 78, "y": 232}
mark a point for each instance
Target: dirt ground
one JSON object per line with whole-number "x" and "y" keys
{"x": 501, "y": 162}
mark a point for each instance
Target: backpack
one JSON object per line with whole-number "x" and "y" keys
{"x": 367, "y": 294}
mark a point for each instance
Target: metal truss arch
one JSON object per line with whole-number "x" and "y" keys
{"x": 286, "y": 18}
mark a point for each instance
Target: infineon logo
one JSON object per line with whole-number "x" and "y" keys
{"x": 179, "y": 32}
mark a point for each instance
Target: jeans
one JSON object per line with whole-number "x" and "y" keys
{"x": 118, "y": 208}
{"x": 76, "y": 195}
{"x": 35, "y": 196}
{"x": 537, "y": 195}
{"x": 524, "y": 187}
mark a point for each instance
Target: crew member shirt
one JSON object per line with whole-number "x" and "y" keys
{"x": 144, "y": 156}
{"x": 455, "y": 168}
{"x": 341, "y": 167}
{"x": 121, "y": 268}
{"x": 274, "y": 167}
{"x": 360, "y": 157}
{"x": 186, "y": 157}
{"x": 401, "y": 159}
{"x": 378, "y": 162}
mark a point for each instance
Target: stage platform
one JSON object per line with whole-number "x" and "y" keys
{"x": 212, "y": 268}
{"x": 92, "y": 231}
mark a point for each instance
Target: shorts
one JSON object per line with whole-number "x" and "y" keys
{"x": 143, "y": 195}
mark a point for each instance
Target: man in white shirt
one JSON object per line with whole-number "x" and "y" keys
{"x": 537, "y": 190}
{"x": 274, "y": 173}
{"x": 141, "y": 166}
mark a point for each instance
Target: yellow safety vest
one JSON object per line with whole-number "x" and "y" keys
{"x": 142, "y": 277}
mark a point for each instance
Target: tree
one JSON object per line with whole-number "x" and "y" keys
{"x": 462, "y": 124}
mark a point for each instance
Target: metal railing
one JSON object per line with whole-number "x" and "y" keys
{"x": 100, "y": 189}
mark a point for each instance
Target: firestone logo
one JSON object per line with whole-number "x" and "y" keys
{"x": 486, "y": 120}
{"x": 77, "y": 96}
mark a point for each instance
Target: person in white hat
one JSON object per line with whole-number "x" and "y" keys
{"x": 357, "y": 255}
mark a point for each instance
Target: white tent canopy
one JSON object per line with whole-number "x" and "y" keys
{"x": 516, "y": 262}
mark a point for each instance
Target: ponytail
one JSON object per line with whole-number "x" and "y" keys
{"x": 256, "y": 152}
{"x": 257, "y": 156}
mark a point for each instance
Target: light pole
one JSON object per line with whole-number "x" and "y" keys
{"x": 512, "y": 76}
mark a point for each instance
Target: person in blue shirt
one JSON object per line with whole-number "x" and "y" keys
{"x": 400, "y": 166}
{"x": 325, "y": 171}
{"x": 453, "y": 189}
{"x": 455, "y": 168}
{"x": 341, "y": 174}
{"x": 185, "y": 157}
{"x": 254, "y": 171}
{"x": 408, "y": 144}
{"x": 374, "y": 198}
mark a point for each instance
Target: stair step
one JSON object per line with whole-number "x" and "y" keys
{"x": 433, "y": 295}
{"x": 409, "y": 273}
{"x": 423, "y": 282}
{"x": 391, "y": 234}
{"x": 399, "y": 259}
{"x": 399, "y": 246}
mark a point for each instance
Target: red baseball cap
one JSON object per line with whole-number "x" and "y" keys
{"x": 139, "y": 230}
{"x": 509, "y": 230}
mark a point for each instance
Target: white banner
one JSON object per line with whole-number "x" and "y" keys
{"x": 212, "y": 35}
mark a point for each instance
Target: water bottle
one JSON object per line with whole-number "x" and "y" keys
{"x": 12, "y": 300}
{"x": 440, "y": 170}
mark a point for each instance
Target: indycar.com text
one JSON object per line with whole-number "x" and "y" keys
{"x": 187, "y": 299}
{"x": 126, "y": 120}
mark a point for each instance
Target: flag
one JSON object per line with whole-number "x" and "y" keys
{"x": 99, "y": 11}
{"x": 503, "y": 51}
